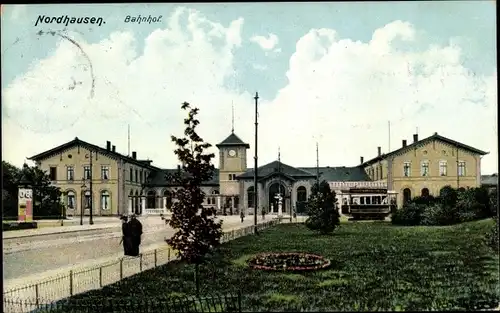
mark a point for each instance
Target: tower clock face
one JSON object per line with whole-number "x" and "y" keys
{"x": 232, "y": 153}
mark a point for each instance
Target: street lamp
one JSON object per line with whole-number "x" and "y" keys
{"x": 82, "y": 207}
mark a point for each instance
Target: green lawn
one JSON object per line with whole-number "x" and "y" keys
{"x": 375, "y": 266}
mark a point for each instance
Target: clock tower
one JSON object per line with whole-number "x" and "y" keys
{"x": 232, "y": 162}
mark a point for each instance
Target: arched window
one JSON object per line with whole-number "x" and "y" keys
{"x": 71, "y": 199}
{"x": 406, "y": 195}
{"x": 168, "y": 199}
{"x": 151, "y": 200}
{"x": 461, "y": 189}
{"x": 301, "y": 194}
{"x": 105, "y": 200}
{"x": 250, "y": 197}
{"x": 87, "y": 199}
{"x": 425, "y": 192}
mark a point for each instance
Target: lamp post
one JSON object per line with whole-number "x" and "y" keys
{"x": 290, "y": 196}
{"x": 256, "y": 196}
{"x": 65, "y": 197}
{"x": 82, "y": 207}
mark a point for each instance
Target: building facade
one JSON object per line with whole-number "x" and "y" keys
{"x": 425, "y": 166}
{"x": 124, "y": 184}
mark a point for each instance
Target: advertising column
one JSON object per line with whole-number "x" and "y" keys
{"x": 25, "y": 204}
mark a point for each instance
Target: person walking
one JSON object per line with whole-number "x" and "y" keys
{"x": 136, "y": 233}
{"x": 126, "y": 236}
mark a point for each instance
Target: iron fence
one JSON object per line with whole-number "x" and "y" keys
{"x": 213, "y": 303}
{"x": 91, "y": 278}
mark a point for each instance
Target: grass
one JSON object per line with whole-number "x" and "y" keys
{"x": 375, "y": 266}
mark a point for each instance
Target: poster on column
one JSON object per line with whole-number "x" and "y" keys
{"x": 25, "y": 205}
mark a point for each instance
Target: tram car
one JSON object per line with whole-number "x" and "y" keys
{"x": 368, "y": 203}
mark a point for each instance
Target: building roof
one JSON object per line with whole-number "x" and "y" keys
{"x": 104, "y": 151}
{"x": 424, "y": 141}
{"x": 326, "y": 173}
{"x": 339, "y": 173}
{"x": 233, "y": 140}
{"x": 489, "y": 180}
{"x": 160, "y": 178}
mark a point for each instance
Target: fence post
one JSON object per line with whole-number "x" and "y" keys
{"x": 37, "y": 296}
{"x": 71, "y": 282}
{"x": 140, "y": 262}
{"x": 100, "y": 276}
{"x": 121, "y": 268}
{"x": 168, "y": 254}
{"x": 156, "y": 259}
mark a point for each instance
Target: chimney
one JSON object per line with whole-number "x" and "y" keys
{"x": 404, "y": 143}
{"x": 178, "y": 167}
{"x": 361, "y": 159}
{"x": 379, "y": 150}
{"x": 415, "y": 138}
{"x": 134, "y": 155}
{"x": 108, "y": 145}
{"x": 113, "y": 148}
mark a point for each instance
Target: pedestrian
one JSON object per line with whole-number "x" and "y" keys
{"x": 126, "y": 236}
{"x": 136, "y": 233}
{"x": 242, "y": 215}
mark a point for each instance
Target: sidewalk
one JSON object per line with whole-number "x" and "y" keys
{"x": 99, "y": 223}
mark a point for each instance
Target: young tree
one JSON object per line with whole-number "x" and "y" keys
{"x": 323, "y": 215}
{"x": 197, "y": 232}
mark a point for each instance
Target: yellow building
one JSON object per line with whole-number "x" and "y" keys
{"x": 425, "y": 166}
{"x": 116, "y": 184}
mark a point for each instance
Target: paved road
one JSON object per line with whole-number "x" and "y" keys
{"x": 28, "y": 258}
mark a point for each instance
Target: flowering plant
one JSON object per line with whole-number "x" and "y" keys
{"x": 289, "y": 261}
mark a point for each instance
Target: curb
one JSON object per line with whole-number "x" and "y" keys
{"x": 59, "y": 232}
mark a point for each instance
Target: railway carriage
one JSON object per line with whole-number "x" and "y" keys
{"x": 367, "y": 203}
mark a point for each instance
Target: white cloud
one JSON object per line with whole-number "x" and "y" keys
{"x": 340, "y": 93}
{"x": 267, "y": 44}
{"x": 18, "y": 11}
{"x": 259, "y": 67}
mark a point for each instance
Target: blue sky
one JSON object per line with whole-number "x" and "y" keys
{"x": 465, "y": 30}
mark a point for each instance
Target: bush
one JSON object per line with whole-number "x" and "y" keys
{"x": 439, "y": 214}
{"x": 322, "y": 209}
{"x": 424, "y": 200}
{"x": 448, "y": 196}
{"x": 408, "y": 215}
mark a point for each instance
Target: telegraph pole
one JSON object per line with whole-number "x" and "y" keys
{"x": 255, "y": 188}
{"x": 317, "y": 165}
{"x": 91, "y": 221}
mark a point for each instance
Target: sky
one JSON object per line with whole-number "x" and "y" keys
{"x": 337, "y": 74}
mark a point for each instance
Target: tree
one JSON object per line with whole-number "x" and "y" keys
{"x": 323, "y": 215}
{"x": 46, "y": 197}
{"x": 197, "y": 232}
{"x": 448, "y": 196}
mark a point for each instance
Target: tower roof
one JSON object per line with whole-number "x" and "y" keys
{"x": 233, "y": 140}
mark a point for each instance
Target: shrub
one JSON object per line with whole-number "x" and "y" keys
{"x": 448, "y": 196}
{"x": 408, "y": 215}
{"x": 322, "y": 209}
{"x": 468, "y": 207}
{"x": 439, "y": 214}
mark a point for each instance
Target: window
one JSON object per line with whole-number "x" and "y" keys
{"x": 443, "y": 170}
{"x": 70, "y": 199}
{"x": 70, "y": 173}
{"x": 250, "y": 197}
{"x": 407, "y": 169}
{"x": 53, "y": 173}
{"x": 86, "y": 172}
{"x": 424, "y": 168}
{"x": 424, "y": 192}
{"x": 301, "y": 194}
{"x": 461, "y": 168}
{"x": 136, "y": 176}
{"x": 105, "y": 200}
{"x": 232, "y": 176}
{"x": 131, "y": 174}
{"x": 104, "y": 172}
{"x": 140, "y": 177}
{"x": 376, "y": 173}
{"x": 87, "y": 200}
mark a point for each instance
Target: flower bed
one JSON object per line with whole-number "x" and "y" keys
{"x": 291, "y": 261}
